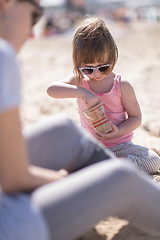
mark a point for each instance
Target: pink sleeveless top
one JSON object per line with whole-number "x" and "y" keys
{"x": 113, "y": 109}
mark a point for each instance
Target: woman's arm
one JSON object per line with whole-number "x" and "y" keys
{"x": 70, "y": 88}
{"x": 15, "y": 174}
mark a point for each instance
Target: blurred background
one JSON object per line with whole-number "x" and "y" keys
{"x": 61, "y": 16}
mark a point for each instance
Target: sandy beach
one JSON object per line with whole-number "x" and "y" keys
{"x": 50, "y": 59}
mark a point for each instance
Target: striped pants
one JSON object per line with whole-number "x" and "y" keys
{"x": 144, "y": 158}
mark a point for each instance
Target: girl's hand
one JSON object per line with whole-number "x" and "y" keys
{"x": 90, "y": 98}
{"x": 112, "y": 134}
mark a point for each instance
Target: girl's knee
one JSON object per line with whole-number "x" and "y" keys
{"x": 149, "y": 162}
{"x": 153, "y": 161}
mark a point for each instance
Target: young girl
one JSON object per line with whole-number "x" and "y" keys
{"x": 94, "y": 56}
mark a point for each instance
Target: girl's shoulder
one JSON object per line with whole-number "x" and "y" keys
{"x": 71, "y": 79}
{"x": 125, "y": 86}
{"x": 121, "y": 80}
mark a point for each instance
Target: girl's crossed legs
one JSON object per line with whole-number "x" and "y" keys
{"x": 144, "y": 158}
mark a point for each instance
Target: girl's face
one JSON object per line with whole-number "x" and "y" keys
{"x": 19, "y": 17}
{"x": 98, "y": 72}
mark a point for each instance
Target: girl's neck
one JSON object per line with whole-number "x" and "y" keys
{"x": 102, "y": 86}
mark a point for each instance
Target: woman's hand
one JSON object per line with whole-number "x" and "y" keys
{"x": 63, "y": 172}
{"x": 112, "y": 134}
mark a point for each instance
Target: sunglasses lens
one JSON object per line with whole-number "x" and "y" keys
{"x": 104, "y": 69}
{"x": 87, "y": 71}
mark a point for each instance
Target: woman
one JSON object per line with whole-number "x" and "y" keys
{"x": 40, "y": 200}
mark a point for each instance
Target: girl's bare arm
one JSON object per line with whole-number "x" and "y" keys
{"x": 70, "y": 88}
{"x": 131, "y": 106}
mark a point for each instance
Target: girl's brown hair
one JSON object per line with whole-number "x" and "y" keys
{"x": 91, "y": 42}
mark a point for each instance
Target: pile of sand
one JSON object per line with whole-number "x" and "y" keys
{"x": 46, "y": 60}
